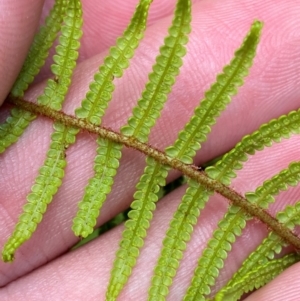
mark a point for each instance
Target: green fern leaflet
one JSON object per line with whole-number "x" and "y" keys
{"x": 19, "y": 120}
{"x": 63, "y": 25}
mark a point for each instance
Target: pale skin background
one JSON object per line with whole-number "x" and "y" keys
{"x": 41, "y": 271}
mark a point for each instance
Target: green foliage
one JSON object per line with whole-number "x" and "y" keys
{"x": 115, "y": 221}
{"x": 65, "y": 58}
{"x": 93, "y": 107}
{"x": 45, "y": 186}
{"x": 185, "y": 147}
{"x": 216, "y": 99}
{"x": 144, "y": 116}
{"x": 264, "y": 253}
{"x": 40, "y": 48}
{"x": 264, "y": 195}
{"x": 257, "y": 277}
{"x": 51, "y": 174}
{"x": 100, "y": 92}
{"x": 178, "y": 234}
{"x": 212, "y": 259}
{"x": 15, "y": 124}
{"x": 135, "y": 228}
{"x": 260, "y": 267}
{"x": 162, "y": 77}
{"x": 106, "y": 164}
{"x": 14, "y": 127}
{"x": 273, "y": 131}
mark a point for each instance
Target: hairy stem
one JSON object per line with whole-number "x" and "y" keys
{"x": 187, "y": 169}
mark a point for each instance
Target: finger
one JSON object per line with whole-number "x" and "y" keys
{"x": 19, "y": 21}
{"x": 257, "y": 102}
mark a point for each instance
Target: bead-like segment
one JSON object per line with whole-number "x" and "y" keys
{"x": 105, "y": 168}
{"x": 174, "y": 244}
{"x": 136, "y": 227}
{"x": 265, "y": 136}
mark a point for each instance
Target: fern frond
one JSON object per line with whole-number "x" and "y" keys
{"x": 18, "y": 121}
{"x": 54, "y": 94}
{"x": 106, "y": 164}
{"x": 213, "y": 256}
{"x": 268, "y": 133}
{"x": 39, "y": 50}
{"x": 230, "y": 226}
{"x": 108, "y": 153}
{"x": 177, "y": 235}
{"x": 188, "y": 148}
{"x": 258, "y": 277}
{"x": 13, "y": 127}
{"x": 100, "y": 93}
{"x": 46, "y": 185}
{"x": 135, "y": 228}
{"x": 139, "y": 125}
{"x": 268, "y": 248}
{"x": 216, "y": 99}
{"x": 162, "y": 77}
{"x": 264, "y": 195}
{"x": 145, "y": 113}
{"x": 185, "y": 147}
{"x": 65, "y": 58}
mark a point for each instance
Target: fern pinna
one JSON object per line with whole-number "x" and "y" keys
{"x": 19, "y": 120}
{"x": 65, "y": 20}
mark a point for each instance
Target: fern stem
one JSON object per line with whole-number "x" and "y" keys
{"x": 186, "y": 169}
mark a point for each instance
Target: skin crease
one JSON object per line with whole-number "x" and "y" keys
{"x": 271, "y": 89}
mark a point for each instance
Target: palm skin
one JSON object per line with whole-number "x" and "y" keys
{"x": 270, "y": 90}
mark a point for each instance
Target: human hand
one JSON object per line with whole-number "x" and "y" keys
{"x": 271, "y": 90}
